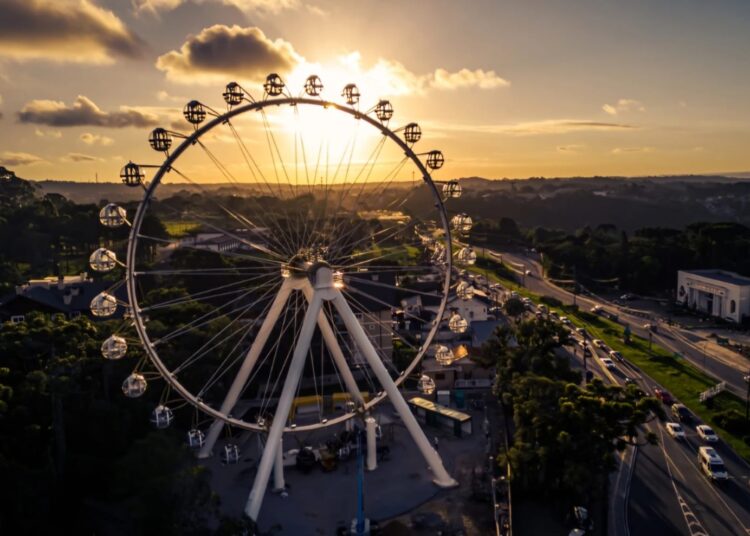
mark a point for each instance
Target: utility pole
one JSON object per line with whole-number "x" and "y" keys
{"x": 575, "y": 285}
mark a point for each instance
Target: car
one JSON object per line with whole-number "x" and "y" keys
{"x": 681, "y": 413}
{"x": 543, "y": 308}
{"x": 586, "y": 351}
{"x": 707, "y": 433}
{"x": 599, "y": 343}
{"x": 711, "y": 464}
{"x": 628, "y": 380}
{"x": 528, "y": 273}
{"x": 627, "y": 297}
{"x": 554, "y": 316}
{"x": 675, "y": 430}
{"x": 582, "y": 332}
{"x": 615, "y": 355}
{"x": 651, "y": 327}
{"x": 746, "y": 378}
{"x": 664, "y": 396}
{"x": 607, "y": 362}
{"x": 566, "y": 321}
{"x": 596, "y": 309}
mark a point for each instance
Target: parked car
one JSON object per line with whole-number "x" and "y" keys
{"x": 607, "y": 362}
{"x": 615, "y": 355}
{"x": 675, "y": 430}
{"x": 681, "y": 413}
{"x": 706, "y": 433}
{"x": 664, "y": 396}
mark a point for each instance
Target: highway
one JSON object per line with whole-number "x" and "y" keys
{"x": 660, "y": 489}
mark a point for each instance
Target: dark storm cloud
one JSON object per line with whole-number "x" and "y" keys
{"x": 229, "y": 51}
{"x": 83, "y": 112}
{"x": 64, "y": 30}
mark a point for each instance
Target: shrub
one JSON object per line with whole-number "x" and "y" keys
{"x": 549, "y": 300}
{"x": 733, "y": 421}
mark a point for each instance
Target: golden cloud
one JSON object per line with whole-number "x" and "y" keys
{"x": 83, "y": 112}
{"x": 221, "y": 52}
{"x": 64, "y": 30}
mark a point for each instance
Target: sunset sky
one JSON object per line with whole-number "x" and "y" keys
{"x": 506, "y": 88}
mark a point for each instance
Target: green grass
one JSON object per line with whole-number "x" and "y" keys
{"x": 180, "y": 228}
{"x": 678, "y": 376}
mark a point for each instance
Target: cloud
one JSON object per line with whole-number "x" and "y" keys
{"x": 254, "y": 6}
{"x": 12, "y": 158}
{"x": 79, "y": 157}
{"x": 48, "y": 133}
{"x": 628, "y": 150}
{"x": 465, "y": 78}
{"x": 83, "y": 112}
{"x": 95, "y": 139}
{"x": 526, "y": 128}
{"x": 64, "y": 30}
{"x": 570, "y": 149}
{"x": 624, "y": 105}
{"x": 222, "y": 51}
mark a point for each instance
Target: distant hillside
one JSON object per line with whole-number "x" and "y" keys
{"x": 565, "y": 203}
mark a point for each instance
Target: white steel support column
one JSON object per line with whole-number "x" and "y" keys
{"x": 255, "y": 500}
{"x": 247, "y": 366}
{"x": 278, "y": 467}
{"x": 442, "y": 478}
{"x": 372, "y": 453}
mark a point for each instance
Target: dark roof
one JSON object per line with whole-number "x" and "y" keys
{"x": 52, "y": 298}
{"x": 380, "y": 288}
{"x": 724, "y": 276}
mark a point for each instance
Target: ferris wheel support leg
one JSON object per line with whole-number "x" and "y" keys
{"x": 329, "y": 337}
{"x": 442, "y": 478}
{"x": 255, "y": 500}
{"x": 247, "y": 366}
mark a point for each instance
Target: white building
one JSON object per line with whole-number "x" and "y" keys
{"x": 715, "y": 292}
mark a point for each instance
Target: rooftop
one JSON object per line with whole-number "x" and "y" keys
{"x": 724, "y": 276}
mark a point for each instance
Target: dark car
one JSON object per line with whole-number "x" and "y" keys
{"x": 664, "y": 396}
{"x": 681, "y": 413}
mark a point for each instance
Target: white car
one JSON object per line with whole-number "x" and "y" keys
{"x": 675, "y": 430}
{"x": 599, "y": 343}
{"x": 707, "y": 433}
{"x": 564, "y": 320}
{"x": 607, "y": 362}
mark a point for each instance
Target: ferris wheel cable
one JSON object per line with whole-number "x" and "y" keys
{"x": 204, "y": 294}
{"x": 390, "y": 175}
{"x": 238, "y": 271}
{"x": 221, "y": 253}
{"x": 230, "y": 177}
{"x": 265, "y": 401}
{"x": 248, "y": 159}
{"x": 396, "y": 228}
{"x": 225, "y": 366}
{"x": 209, "y": 317}
{"x": 380, "y": 284}
{"x": 373, "y": 157}
{"x": 210, "y": 345}
{"x": 353, "y": 290}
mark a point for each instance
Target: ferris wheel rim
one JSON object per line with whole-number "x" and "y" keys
{"x": 166, "y": 166}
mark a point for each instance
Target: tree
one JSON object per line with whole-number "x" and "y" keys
{"x": 514, "y": 307}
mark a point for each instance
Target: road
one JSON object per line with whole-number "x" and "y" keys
{"x": 659, "y": 489}
{"x": 671, "y": 337}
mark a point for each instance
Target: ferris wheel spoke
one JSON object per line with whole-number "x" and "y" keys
{"x": 351, "y": 291}
{"x": 369, "y": 282}
{"x": 208, "y": 294}
{"x": 212, "y": 272}
{"x": 214, "y": 342}
{"x": 229, "y": 254}
{"x": 213, "y": 315}
{"x": 232, "y": 180}
{"x": 254, "y": 168}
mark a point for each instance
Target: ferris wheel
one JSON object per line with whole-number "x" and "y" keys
{"x": 301, "y": 293}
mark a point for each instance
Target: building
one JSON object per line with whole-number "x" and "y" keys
{"x": 68, "y": 295}
{"x": 716, "y": 293}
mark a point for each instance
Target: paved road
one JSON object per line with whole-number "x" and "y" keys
{"x": 659, "y": 489}
{"x": 671, "y": 337}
